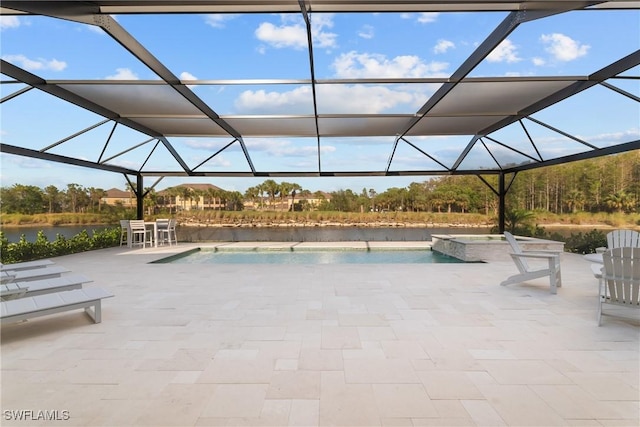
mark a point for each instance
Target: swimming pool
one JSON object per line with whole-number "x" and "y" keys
{"x": 345, "y": 256}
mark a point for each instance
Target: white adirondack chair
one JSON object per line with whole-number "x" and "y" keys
{"x": 552, "y": 268}
{"x": 620, "y": 238}
{"x": 620, "y": 280}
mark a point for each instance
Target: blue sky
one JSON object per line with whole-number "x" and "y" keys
{"x": 273, "y": 46}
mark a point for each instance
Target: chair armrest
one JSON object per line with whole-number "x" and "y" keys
{"x": 601, "y": 250}
{"x": 543, "y": 252}
{"x": 537, "y": 255}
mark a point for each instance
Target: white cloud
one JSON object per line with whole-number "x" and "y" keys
{"x": 263, "y": 102}
{"x": 428, "y": 17}
{"x": 187, "y": 76}
{"x": 123, "y": 74}
{"x": 366, "y": 99}
{"x": 95, "y": 29}
{"x": 506, "y": 51}
{"x": 538, "y": 62}
{"x": 218, "y": 20}
{"x": 366, "y": 32}
{"x": 423, "y": 17}
{"x": 290, "y": 34}
{"x": 7, "y": 22}
{"x": 285, "y": 148}
{"x": 607, "y": 139}
{"x": 35, "y": 64}
{"x": 365, "y": 65}
{"x": 273, "y": 147}
{"x": 563, "y": 48}
{"x": 443, "y": 45}
{"x": 294, "y": 36}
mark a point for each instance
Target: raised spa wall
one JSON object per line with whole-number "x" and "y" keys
{"x": 487, "y": 247}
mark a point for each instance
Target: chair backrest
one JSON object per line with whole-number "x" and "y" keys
{"x": 172, "y": 224}
{"x": 621, "y": 276}
{"x": 137, "y": 224}
{"x": 162, "y": 223}
{"x": 521, "y": 263}
{"x": 124, "y": 223}
{"x": 620, "y": 238}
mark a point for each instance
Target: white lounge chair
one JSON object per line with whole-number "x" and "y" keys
{"x": 28, "y": 265}
{"x": 620, "y": 279}
{"x": 620, "y": 238}
{"x": 37, "y": 273}
{"x": 6, "y": 277}
{"x": 11, "y": 290}
{"x": 26, "y": 308}
{"x": 520, "y": 257}
{"x": 43, "y": 286}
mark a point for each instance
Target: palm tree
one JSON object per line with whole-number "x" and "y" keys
{"x": 575, "y": 200}
{"x": 173, "y": 192}
{"x": 95, "y": 195}
{"x": 284, "y": 190}
{"x": 619, "y": 201}
{"x": 252, "y": 194}
{"x": 261, "y": 190}
{"x": 272, "y": 189}
{"x": 152, "y": 201}
{"x": 294, "y": 189}
{"x": 184, "y": 193}
{"x": 515, "y": 217}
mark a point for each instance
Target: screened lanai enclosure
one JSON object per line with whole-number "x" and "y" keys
{"x": 319, "y": 88}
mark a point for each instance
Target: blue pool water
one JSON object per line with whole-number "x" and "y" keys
{"x": 312, "y": 257}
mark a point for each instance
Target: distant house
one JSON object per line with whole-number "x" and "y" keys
{"x": 311, "y": 200}
{"x": 192, "y": 196}
{"x": 117, "y": 197}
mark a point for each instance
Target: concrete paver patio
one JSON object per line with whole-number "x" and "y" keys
{"x": 359, "y": 344}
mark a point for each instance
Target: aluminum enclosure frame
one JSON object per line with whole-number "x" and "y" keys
{"x": 452, "y": 96}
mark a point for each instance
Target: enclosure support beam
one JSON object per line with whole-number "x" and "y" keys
{"x": 502, "y": 192}
{"x": 140, "y": 197}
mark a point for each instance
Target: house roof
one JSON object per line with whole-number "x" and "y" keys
{"x": 114, "y": 193}
{"x": 475, "y": 111}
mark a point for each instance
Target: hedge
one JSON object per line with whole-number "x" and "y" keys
{"x": 11, "y": 252}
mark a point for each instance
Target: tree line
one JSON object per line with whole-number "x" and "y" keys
{"x": 606, "y": 184}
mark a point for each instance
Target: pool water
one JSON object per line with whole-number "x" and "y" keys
{"x": 312, "y": 257}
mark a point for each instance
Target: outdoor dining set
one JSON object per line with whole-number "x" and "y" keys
{"x": 152, "y": 233}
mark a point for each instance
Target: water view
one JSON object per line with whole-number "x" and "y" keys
{"x": 13, "y": 233}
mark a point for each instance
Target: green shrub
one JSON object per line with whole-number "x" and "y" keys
{"x": 22, "y": 250}
{"x": 582, "y": 243}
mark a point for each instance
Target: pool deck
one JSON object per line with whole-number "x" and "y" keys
{"x": 305, "y": 345}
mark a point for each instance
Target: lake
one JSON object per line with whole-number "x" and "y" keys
{"x": 14, "y": 233}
